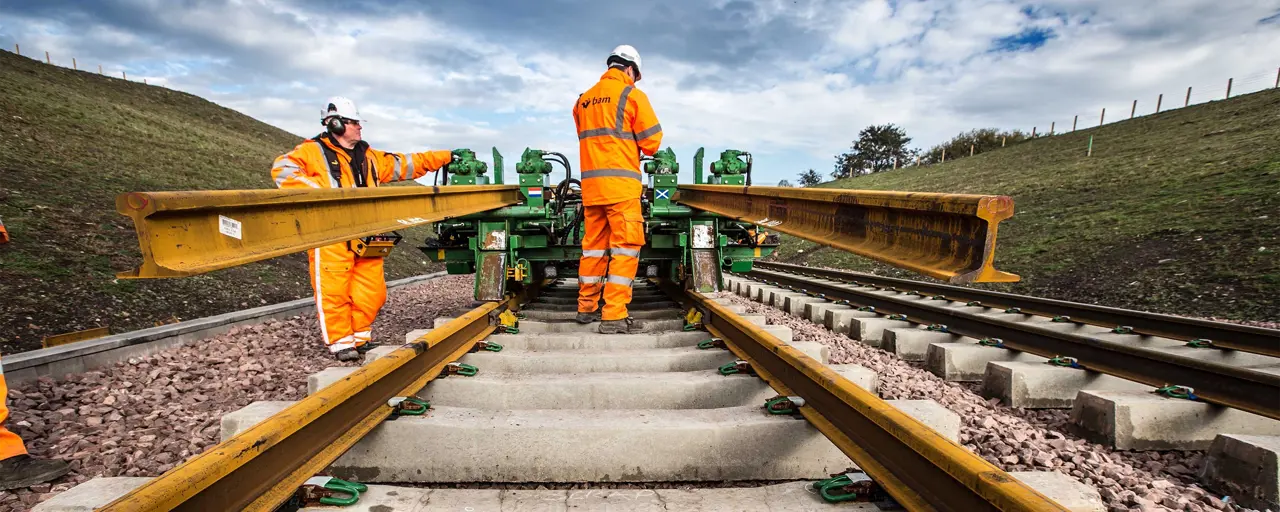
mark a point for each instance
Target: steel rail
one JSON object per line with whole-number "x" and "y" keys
{"x": 260, "y": 468}
{"x": 913, "y": 463}
{"x": 187, "y": 233}
{"x": 951, "y": 237}
{"x": 1223, "y": 335}
{"x": 1241, "y": 388}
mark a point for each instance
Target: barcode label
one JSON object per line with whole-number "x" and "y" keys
{"x": 230, "y": 227}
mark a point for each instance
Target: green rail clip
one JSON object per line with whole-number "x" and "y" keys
{"x": 1062, "y": 319}
{"x": 898, "y": 317}
{"x": 938, "y": 328}
{"x": 1183, "y": 392}
{"x": 711, "y": 343}
{"x": 847, "y": 487}
{"x": 325, "y": 490}
{"x": 1065, "y": 362}
{"x": 408, "y": 406}
{"x": 735, "y": 367}
{"x": 1122, "y": 329}
{"x": 991, "y": 342}
{"x": 783, "y": 405}
{"x": 868, "y": 309}
{"x": 1013, "y": 310}
{"x": 1200, "y": 343}
{"x": 462, "y": 369}
{"x": 973, "y": 303}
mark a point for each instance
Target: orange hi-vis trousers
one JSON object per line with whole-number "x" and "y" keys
{"x": 10, "y": 444}
{"x": 349, "y": 293}
{"x": 619, "y": 228}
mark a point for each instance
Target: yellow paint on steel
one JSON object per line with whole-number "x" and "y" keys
{"x": 930, "y": 472}
{"x": 951, "y": 237}
{"x": 226, "y": 477}
{"x": 73, "y": 337}
{"x": 187, "y": 233}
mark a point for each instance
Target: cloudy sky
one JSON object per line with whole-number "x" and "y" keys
{"x": 790, "y": 80}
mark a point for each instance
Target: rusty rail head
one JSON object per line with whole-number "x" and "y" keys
{"x": 951, "y": 237}
{"x": 187, "y": 233}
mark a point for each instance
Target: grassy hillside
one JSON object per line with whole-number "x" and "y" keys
{"x": 69, "y": 142}
{"x": 1177, "y": 212}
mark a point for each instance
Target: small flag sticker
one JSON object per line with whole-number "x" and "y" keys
{"x": 535, "y": 192}
{"x": 664, "y": 193}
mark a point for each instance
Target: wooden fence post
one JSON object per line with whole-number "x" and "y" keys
{"x": 144, "y": 81}
{"x": 1102, "y": 118}
{"x": 944, "y": 155}
{"x": 1074, "y": 120}
{"x": 971, "y": 150}
{"x": 1052, "y": 125}
{"x": 1188, "y": 101}
{"x": 1229, "y": 80}
{"x": 1159, "y": 100}
{"x": 1278, "y": 78}
{"x": 99, "y": 69}
{"x": 73, "y": 64}
{"x": 917, "y": 160}
{"x": 1033, "y": 132}
{"x": 17, "y": 49}
{"x": 124, "y": 75}
{"x": 1133, "y": 110}
{"x": 47, "y": 60}
{"x": 1002, "y": 139}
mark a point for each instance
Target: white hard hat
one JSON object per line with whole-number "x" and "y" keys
{"x": 341, "y": 107}
{"x": 628, "y": 53}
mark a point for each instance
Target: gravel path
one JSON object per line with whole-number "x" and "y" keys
{"x": 1023, "y": 440}
{"x": 145, "y": 416}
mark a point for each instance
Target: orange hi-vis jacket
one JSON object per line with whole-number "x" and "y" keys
{"x": 305, "y": 166}
{"x": 349, "y": 290}
{"x": 615, "y": 124}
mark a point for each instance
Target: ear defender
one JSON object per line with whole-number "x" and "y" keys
{"x": 336, "y": 126}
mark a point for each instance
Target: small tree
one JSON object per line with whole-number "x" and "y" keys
{"x": 878, "y": 148}
{"x": 784, "y": 183}
{"x": 810, "y": 178}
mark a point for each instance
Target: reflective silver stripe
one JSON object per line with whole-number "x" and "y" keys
{"x": 618, "y": 251}
{"x": 308, "y": 181}
{"x": 593, "y": 253}
{"x": 598, "y": 132}
{"x": 590, "y": 279}
{"x": 397, "y": 169}
{"x": 284, "y": 163}
{"x": 653, "y": 130}
{"x": 622, "y": 108}
{"x": 616, "y": 173}
{"x": 618, "y": 118}
{"x": 409, "y": 169}
{"x": 624, "y": 281}
{"x": 332, "y": 182}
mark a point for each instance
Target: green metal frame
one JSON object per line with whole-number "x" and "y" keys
{"x": 514, "y": 245}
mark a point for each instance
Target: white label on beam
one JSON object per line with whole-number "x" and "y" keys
{"x": 230, "y": 227}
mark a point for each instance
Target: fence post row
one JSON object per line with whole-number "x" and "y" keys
{"x": 1159, "y": 100}
{"x": 1229, "y": 80}
{"x": 1073, "y": 122}
{"x": 1133, "y": 110}
{"x": 1103, "y": 117}
{"x": 1188, "y": 101}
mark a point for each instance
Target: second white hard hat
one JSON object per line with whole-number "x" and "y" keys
{"x": 341, "y": 107}
{"x": 627, "y": 53}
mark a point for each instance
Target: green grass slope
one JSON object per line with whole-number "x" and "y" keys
{"x": 1176, "y": 212}
{"x": 69, "y": 143}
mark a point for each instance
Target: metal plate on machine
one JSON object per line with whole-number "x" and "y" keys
{"x": 491, "y": 277}
{"x": 704, "y": 236}
{"x": 706, "y": 271}
{"x": 495, "y": 240}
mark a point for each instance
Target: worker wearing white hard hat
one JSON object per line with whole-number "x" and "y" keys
{"x": 348, "y": 277}
{"x": 615, "y": 125}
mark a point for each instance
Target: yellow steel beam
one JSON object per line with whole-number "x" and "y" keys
{"x": 260, "y": 468}
{"x": 951, "y": 237}
{"x": 187, "y": 233}
{"x": 913, "y": 463}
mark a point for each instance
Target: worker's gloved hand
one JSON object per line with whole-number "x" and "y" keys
{"x": 458, "y": 154}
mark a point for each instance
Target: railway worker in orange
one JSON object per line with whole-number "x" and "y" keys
{"x": 17, "y": 469}
{"x": 615, "y": 124}
{"x": 349, "y": 288}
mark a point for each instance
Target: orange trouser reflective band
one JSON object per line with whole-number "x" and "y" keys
{"x": 349, "y": 292}
{"x": 618, "y": 227}
{"x": 10, "y": 444}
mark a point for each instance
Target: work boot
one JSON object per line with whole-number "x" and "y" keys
{"x": 627, "y": 325}
{"x": 25, "y": 471}
{"x": 586, "y": 318}
{"x": 347, "y": 354}
{"x": 368, "y": 345}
